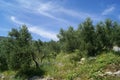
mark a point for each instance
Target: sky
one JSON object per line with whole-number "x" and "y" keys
{"x": 45, "y": 18}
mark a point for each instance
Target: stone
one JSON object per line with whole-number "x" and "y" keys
{"x": 109, "y": 73}
{"x": 3, "y": 77}
{"x": 40, "y": 78}
{"x": 117, "y": 73}
{"x": 82, "y": 59}
{"x": 116, "y": 48}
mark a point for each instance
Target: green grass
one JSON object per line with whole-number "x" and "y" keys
{"x": 8, "y": 75}
{"x": 22, "y": 74}
{"x": 67, "y": 67}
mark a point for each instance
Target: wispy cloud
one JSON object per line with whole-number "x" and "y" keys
{"x": 36, "y": 30}
{"x": 81, "y": 15}
{"x": 43, "y": 33}
{"x": 41, "y": 8}
{"x": 47, "y": 8}
{"x": 16, "y": 21}
{"x": 108, "y": 10}
{"x": 50, "y": 9}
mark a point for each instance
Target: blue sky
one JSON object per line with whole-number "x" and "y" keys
{"x": 44, "y": 18}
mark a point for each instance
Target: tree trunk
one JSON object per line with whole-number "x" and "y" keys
{"x": 33, "y": 57}
{"x": 42, "y": 58}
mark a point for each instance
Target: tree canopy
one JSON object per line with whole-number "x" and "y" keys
{"x": 18, "y": 51}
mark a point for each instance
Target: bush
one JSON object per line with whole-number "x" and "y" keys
{"x": 28, "y": 73}
{"x": 3, "y": 64}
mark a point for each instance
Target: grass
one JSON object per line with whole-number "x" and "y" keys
{"x": 22, "y": 74}
{"x": 67, "y": 67}
{"x": 8, "y": 75}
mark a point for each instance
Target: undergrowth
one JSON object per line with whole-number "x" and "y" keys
{"x": 68, "y": 67}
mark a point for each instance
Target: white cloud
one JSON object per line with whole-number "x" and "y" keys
{"x": 38, "y": 8}
{"x": 16, "y": 21}
{"x": 41, "y": 8}
{"x": 50, "y": 9}
{"x": 108, "y": 10}
{"x": 36, "y": 30}
{"x": 73, "y": 13}
{"x": 45, "y": 6}
{"x": 12, "y": 18}
{"x": 52, "y": 17}
{"x": 81, "y": 15}
{"x": 45, "y": 34}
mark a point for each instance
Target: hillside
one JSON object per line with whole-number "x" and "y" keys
{"x": 105, "y": 66}
{"x": 66, "y": 67}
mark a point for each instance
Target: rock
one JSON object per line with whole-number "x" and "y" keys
{"x": 117, "y": 73}
{"x": 109, "y": 73}
{"x": 40, "y": 78}
{"x": 101, "y": 75}
{"x": 80, "y": 62}
{"x": 116, "y": 48}
{"x": 49, "y": 78}
{"x": 92, "y": 58}
{"x": 2, "y": 76}
{"x": 60, "y": 64}
{"x": 35, "y": 78}
{"x": 82, "y": 59}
